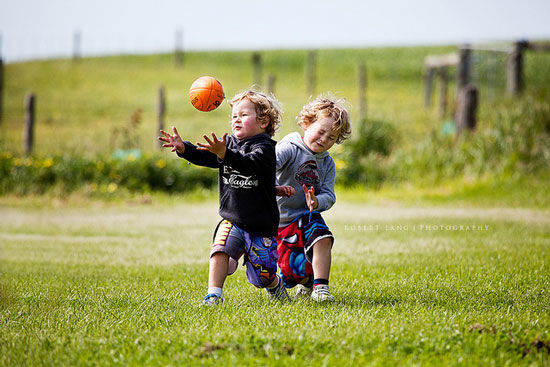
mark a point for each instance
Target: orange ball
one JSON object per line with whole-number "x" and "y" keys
{"x": 206, "y": 93}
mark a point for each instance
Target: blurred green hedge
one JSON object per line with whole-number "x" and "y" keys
{"x": 514, "y": 139}
{"x": 36, "y": 175}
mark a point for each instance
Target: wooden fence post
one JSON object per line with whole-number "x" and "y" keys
{"x": 514, "y": 73}
{"x": 1, "y": 88}
{"x": 311, "y": 65}
{"x": 76, "y": 45}
{"x": 178, "y": 49}
{"x": 443, "y": 91}
{"x": 1, "y": 81}
{"x": 161, "y": 111}
{"x": 362, "y": 89}
{"x": 463, "y": 68}
{"x": 429, "y": 79}
{"x": 271, "y": 83}
{"x": 467, "y": 109}
{"x": 257, "y": 68}
{"x": 30, "y": 102}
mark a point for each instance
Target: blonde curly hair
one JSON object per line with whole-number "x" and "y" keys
{"x": 268, "y": 109}
{"x": 327, "y": 107}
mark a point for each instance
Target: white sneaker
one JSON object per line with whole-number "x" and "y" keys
{"x": 279, "y": 292}
{"x": 321, "y": 293}
{"x": 212, "y": 300}
{"x": 303, "y": 292}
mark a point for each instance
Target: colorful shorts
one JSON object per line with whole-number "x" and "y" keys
{"x": 260, "y": 253}
{"x": 295, "y": 246}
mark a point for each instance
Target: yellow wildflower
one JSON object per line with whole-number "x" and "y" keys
{"x": 161, "y": 163}
{"x": 48, "y": 162}
{"x": 340, "y": 164}
{"x": 112, "y": 187}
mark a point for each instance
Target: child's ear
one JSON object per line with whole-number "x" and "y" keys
{"x": 265, "y": 123}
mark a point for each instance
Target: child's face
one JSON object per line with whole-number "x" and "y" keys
{"x": 319, "y": 136}
{"x": 244, "y": 121}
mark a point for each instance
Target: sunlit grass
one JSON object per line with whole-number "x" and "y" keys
{"x": 111, "y": 283}
{"x": 453, "y": 272}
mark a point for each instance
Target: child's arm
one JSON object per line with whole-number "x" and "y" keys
{"x": 311, "y": 201}
{"x": 185, "y": 149}
{"x": 172, "y": 141}
{"x": 216, "y": 146}
{"x": 325, "y": 196}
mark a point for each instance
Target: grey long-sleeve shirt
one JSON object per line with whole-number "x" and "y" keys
{"x": 297, "y": 165}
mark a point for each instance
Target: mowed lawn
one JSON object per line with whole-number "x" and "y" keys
{"x": 117, "y": 284}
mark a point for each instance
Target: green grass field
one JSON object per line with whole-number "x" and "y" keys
{"x": 454, "y": 271}
{"x": 119, "y": 283}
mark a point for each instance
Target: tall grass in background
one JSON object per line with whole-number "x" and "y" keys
{"x": 513, "y": 140}
{"x": 89, "y": 110}
{"x": 516, "y": 141}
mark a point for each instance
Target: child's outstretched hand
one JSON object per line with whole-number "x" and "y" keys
{"x": 172, "y": 141}
{"x": 216, "y": 146}
{"x": 311, "y": 200}
{"x": 287, "y": 191}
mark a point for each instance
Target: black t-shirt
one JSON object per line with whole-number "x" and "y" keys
{"x": 246, "y": 180}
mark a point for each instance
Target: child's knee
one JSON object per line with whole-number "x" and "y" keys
{"x": 219, "y": 256}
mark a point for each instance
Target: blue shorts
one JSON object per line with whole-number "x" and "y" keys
{"x": 260, "y": 253}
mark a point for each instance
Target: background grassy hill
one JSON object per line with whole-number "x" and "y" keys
{"x": 95, "y": 106}
{"x": 80, "y": 103}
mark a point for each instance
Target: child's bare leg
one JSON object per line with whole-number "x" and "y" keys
{"x": 219, "y": 264}
{"x": 322, "y": 258}
{"x": 321, "y": 270}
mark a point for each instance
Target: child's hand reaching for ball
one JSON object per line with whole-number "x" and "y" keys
{"x": 216, "y": 146}
{"x": 172, "y": 141}
{"x": 311, "y": 200}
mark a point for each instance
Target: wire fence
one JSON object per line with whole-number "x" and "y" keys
{"x": 495, "y": 71}
{"x": 488, "y": 72}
